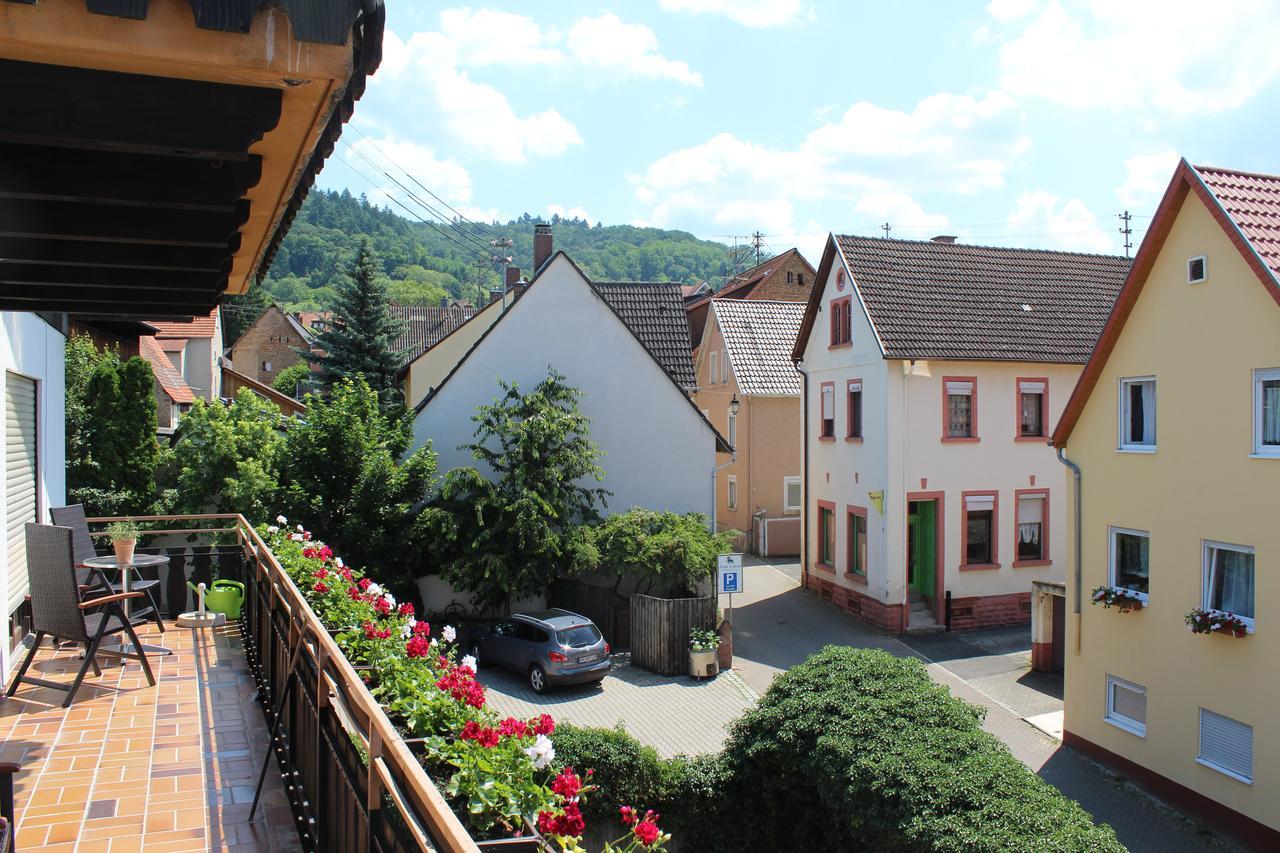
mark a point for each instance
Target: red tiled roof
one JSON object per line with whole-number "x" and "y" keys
{"x": 173, "y": 344}
{"x": 168, "y": 377}
{"x": 758, "y": 337}
{"x": 1253, "y": 202}
{"x": 198, "y": 327}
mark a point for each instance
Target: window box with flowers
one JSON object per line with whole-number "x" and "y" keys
{"x": 1122, "y": 599}
{"x": 1215, "y": 622}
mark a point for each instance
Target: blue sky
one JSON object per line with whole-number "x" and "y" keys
{"x": 1014, "y": 122}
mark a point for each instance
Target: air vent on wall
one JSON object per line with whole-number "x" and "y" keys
{"x": 1197, "y": 270}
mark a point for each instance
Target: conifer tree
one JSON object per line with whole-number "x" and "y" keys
{"x": 360, "y": 338}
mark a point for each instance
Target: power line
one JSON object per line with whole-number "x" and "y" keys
{"x": 1127, "y": 231}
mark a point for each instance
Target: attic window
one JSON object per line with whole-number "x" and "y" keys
{"x": 1197, "y": 270}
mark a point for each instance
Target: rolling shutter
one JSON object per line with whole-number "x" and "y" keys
{"x": 1226, "y": 743}
{"x": 19, "y": 479}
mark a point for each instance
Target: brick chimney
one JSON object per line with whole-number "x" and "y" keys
{"x": 495, "y": 295}
{"x": 513, "y": 277}
{"x": 943, "y": 238}
{"x": 541, "y": 245}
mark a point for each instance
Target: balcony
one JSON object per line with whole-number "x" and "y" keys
{"x": 174, "y": 767}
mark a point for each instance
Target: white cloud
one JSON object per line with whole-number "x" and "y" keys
{"x": 1008, "y": 10}
{"x": 1146, "y": 177}
{"x": 490, "y": 37}
{"x": 749, "y": 13}
{"x": 607, "y": 42}
{"x": 1172, "y": 55}
{"x": 571, "y": 213}
{"x": 907, "y": 218}
{"x": 446, "y": 178}
{"x": 1044, "y": 221}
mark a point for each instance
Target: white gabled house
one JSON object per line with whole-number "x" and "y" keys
{"x": 626, "y": 347}
{"x": 933, "y": 374}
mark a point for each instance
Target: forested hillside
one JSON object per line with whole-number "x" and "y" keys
{"x": 424, "y": 265}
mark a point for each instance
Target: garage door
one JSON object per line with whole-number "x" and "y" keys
{"x": 19, "y": 479}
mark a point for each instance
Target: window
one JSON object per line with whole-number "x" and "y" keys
{"x": 855, "y": 408}
{"x": 732, "y": 482}
{"x": 1197, "y": 269}
{"x": 1127, "y": 706}
{"x": 1130, "y": 560}
{"x": 715, "y": 368}
{"x": 827, "y": 534}
{"x": 801, "y": 278}
{"x": 857, "y": 541}
{"x": 1033, "y": 544}
{"x": 841, "y": 321}
{"x": 1228, "y": 579}
{"x": 733, "y": 429}
{"x": 1031, "y": 408}
{"x": 959, "y": 407}
{"x": 724, "y": 368}
{"x": 266, "y": 366}
{"x": 792, "y": 494}
{"x": 979, "y": 529}
{"x": 828, "y": 410}
{"x": 1266, "y": 412}
{"x": 1138, "y": 414}
{"x": 790, "y": 276}
{"x": 1226, "y": 745}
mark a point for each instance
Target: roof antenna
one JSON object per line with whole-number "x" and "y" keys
{"x": 886, "y": 227}
{"x": 1126, "y": 230}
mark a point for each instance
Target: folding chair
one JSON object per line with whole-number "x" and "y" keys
{"x": 73, "y": 516}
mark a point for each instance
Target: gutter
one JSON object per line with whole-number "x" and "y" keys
{"x": 804, "y": 472}
{"x": 1079, "y": 538}
{"x": 715, "y": 497}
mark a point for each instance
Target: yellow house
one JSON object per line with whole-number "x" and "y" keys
{"x": 1174, "y": 429}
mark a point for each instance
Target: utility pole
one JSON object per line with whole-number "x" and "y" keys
{"x": 886, "y": 227}
{"x": 1127, "y": 230}
{"x": 757, "y": 240}
{"x": 502, "y": 260}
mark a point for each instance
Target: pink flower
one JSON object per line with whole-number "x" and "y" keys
{"x": 628, "y": 815}
{"x": 646, "y": 831}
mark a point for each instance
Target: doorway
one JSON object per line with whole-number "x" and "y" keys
{"x": 922, "y": 549}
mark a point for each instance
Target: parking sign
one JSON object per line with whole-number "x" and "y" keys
{"x": 730, "y": 574}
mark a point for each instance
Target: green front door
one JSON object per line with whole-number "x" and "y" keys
{"x": 922, "y": 543}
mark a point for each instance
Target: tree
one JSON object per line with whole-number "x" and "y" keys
{"x": 287, "y": 380}
{"x": 82, "y": 359}
{"x": 511, "y": 530}
{"x": 361, "y": 337}
{"x": 228, "y": 457}
{"x": 664, "y": 550}
{"x": 119, "y": 434}
{"x": 340, "y": 477}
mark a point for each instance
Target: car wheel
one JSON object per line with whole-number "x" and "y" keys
{"x": 474, "y": 651}
{"x": 538, "y": 679}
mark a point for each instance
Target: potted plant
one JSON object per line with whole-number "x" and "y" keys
{"x": 124, "y": 537}
{"x": 703, "y": 643}
{"x": 1215, "y": 622}
{"x": 1109, "y": 596}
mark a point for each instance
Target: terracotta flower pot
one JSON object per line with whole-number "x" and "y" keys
{"x": 1126, "y": 604}
{"x": 124, "y": 550}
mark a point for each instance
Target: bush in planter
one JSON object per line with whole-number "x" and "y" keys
{"x": 857, "y": 749}
{"x": 627, "y": 771}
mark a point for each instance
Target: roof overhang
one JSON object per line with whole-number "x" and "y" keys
{"x": 154, "y": 152}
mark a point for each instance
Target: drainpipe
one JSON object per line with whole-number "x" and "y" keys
{"x": 1079, "y": 538}
{"x": 804, "y": 472}
{"x": 715, "y": 496}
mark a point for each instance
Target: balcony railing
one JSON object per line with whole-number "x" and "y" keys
{"x": 351, "y": 780}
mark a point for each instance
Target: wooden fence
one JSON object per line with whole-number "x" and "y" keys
{"x": 660, "y": 630}
{"x": 611, "y": 614}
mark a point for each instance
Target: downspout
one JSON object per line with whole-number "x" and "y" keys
{"x": 1079, "y": 538}
{"x": 715, "y": 496}
{"x": 804, "y": 472}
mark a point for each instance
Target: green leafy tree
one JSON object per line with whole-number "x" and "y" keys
{"x": 663, "y": 551}
{"x": 287, "y": 380}
{"x": 82, "y": 359}
{"x": 340, "y": 477}
{"x": 120, "y": 434}
{"x": 228, "y": 457}
{"x": 361, "y": 337}
{"x": 509, "y": 527}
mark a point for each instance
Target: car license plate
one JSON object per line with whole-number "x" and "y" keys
{"x": 588, "y": 658}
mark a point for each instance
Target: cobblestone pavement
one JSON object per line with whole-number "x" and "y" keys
{"x": 675, "y": 715}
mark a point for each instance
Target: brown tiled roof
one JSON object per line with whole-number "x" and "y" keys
{"x": 173, "y": 344}
{"x": 198, "y": 327}
{"x": 654, "y": 311}
{"x": 168, "y": 377}
{"x": 424, "y": 327}
{"x": 956, "y": 301}
{"x": 1253, "y": 202}
{"x": 758, "y": 336}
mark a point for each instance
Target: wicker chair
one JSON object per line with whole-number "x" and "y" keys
{"x": 73, "y": 516}
{"x": 58, "y": 611}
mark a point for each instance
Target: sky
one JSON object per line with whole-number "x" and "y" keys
{"x": 1013, "y": 122}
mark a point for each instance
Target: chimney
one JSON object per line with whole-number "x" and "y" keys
{"x": 943, "y": 238}
{"x": 444, "y": 302}
{"x": 513, "y": 277}
{"x": 495, "y": 295}
{"x": 541, "y": 245}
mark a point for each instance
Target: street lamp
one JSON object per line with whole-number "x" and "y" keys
{"x": 734, "y": 405}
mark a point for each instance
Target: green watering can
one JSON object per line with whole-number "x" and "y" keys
{"x": 222, "y": 596}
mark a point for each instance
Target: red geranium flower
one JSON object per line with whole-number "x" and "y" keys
{"x": 364, "y": 584}
{"x": 422, "y": 629}
{"x": 513, "y": 727}
{"x": 544, "y": 725}
{"x": 405, "y": 609}
{"x": 567, "y": 784}
{"x": 628, "y": 815}
{"x": 320, "y": 588}
{"x": 417, "y": 647}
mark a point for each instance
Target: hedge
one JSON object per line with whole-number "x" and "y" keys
{"x": 858, "y": 749}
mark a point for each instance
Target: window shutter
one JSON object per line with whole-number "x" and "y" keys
{"x": 1227, "y": 743}
{"x": 978, "y": 503}
{"x": 1031, "y": 387}
{"x": 1129, "y": 702}
{"x": 20, "y": 480}
{"x": 855, "y": 386}
{"x": 828, "y": 403}
{"x": 715, "y": 368}
{"x": 1031, "y": 510}
{"x": 960, "y": 388}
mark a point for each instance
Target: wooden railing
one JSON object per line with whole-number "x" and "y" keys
{"x": 350, "y": 778}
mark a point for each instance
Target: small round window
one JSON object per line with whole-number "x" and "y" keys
{"x": 839, "y": 279}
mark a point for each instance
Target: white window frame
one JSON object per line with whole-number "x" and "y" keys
{"x": 1115, "y": 718}
{"x": 732, "y": 429}
{"x": 1111, "y": 557}
{"x": 731, "y": 491}
{"x": 1210, "y": 763}
{"x": 724, "y": 367}
{"x": 1193, "y": 259}
{"x": 786, "y": 488}
{"x": 266, "y": 367}
{"x": 1259, "y": 450}
{"x": 1208, "y": 546}
{"x": 1123, "y": 411}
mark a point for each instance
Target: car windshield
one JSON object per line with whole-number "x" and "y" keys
{"x": 579, "y": 636}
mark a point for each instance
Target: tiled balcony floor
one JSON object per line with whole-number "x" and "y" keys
{"x": 131, "y": 767}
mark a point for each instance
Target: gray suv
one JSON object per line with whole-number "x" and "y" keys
{"x": 547, "y": 646}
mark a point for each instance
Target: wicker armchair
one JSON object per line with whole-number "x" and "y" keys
{"x": 73, "y": 516}
{"x": 58, "y": 611}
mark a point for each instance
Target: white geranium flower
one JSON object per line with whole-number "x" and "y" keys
{"x": 301, "y": 529}
{"x": 469, "y": 662}
{"x": 449, "y": 634}
{"x": 374, "y": 590}
{"x": 280, "y": 519}
{"x": 271, "y": 528}
{"x": 296, "y": 537}
{"x": 542, "y": 752}
{"x": 391, "y": 599}
{"x": 407, "y": 631}
{"x": 337, "y": 561}
{"x": 434, "y": 641}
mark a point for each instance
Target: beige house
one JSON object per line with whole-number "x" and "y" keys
{"x": 437, "y": 358}
{"x": 269, "y": 346}
{"x": 749, "y": 388}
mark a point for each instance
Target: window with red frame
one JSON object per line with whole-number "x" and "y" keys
{"x": 826, "y": 536}
{"x": 841, "y": 321}
{"x": 1031, "y": 408}
{"x": 857, "y": 544}
{"x": 855, "y": 409}
{"x": 828, "y": 410}
{"x": 959, "y": 409}
{"x": 979, "y": 521}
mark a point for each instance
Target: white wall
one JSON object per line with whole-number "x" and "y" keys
{"x": 31, "y": 347}
{"x": 658, "y": 450}
{"x": 197, "y": 364}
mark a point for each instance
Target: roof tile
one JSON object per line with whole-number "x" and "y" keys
{"x": 759, "y": 335}
{"x": 197, "y": 327}
{"x": 166, "y": 374}
{"x": 1253, "y": 201}
{"x": 655, "y": 313}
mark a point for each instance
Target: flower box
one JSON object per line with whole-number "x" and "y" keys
{"x": 1122, "y": 599}
{"x": 1215, "y": 622}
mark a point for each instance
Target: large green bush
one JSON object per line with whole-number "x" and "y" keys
{"x": 667, "y": 553}
{"x": 626, "y": 770}
{"x": 857, "y": 749}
